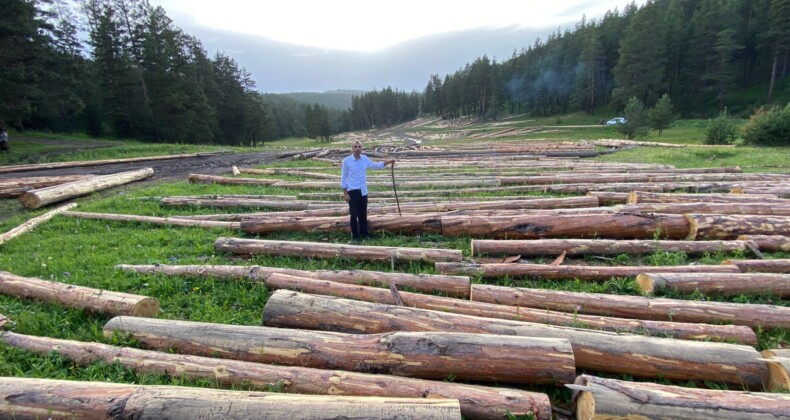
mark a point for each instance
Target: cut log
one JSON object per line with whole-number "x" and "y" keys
{"x": 640, "y": 197}
{"x": 235, "y": 170}
{"x": 677, "y": 310}
{"x": 165, "y": 221}
{"x": 719, "y": 284}
{"x": 705, "y": 332}
{"x": 581, "y": 247}
{"x": 224, "y": 180}
{"x": 608, "y": 198}
{"x": 782, "y": 192}
{"x": 3, "y": 320}
{"x": 403, "y": 184}
{"x": 602, "y": 351}
{"x": 612, "y": 226}
{"x": 711, "y": 226}
{"x": 454, "y": 286}
{"x": 477, "y": 402}
{"x": 14, "y": 187}
{"x": 427, "y": 355}
{"x": 778, "y": 369}
{"x": 771, "y": 243}
{"x": 29, "y": 398}
{"x": 32, "y": 223}
{"x": 756, "y": 208}
{"x": 407, "y": 224}
{"x": 74, "y": 164}
{"x": 603, "y": 398}
{"x": 610, "y": 178}
{"x": 581, "y": 272}
{"x": 240, "y": 246}
{"x": 94, "y": 300}
{"x": 234, "y": 202}
{"x": 759, "y": 266}
{"x": 34, "y": 199}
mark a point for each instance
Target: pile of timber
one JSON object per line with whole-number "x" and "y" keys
{"x": 718, "y": 284}
{"x": 476, "y": 401}
{"x": 36, "y": 198}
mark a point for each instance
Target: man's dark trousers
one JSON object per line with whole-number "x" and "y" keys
{"x": 358, "y": 208}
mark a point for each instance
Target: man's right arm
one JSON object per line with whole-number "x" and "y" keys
{"x": 344, "y": 181}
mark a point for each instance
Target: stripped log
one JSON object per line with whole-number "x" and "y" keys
{"x": 240, "y": 246}
{"x": 704, "y": 332}
{"x": 612, "y": 226}
{"x": 94, "y": 300}
{"x": 608, "y": 198}
{"x": 477, "y": 402}
{"x": 27, "y": 398}
{"x": 427, "y": 355}
{"x": 778, "y": 369}
{"x": 602, "y": 351}
{"x": 34, "y": 199}
{"x": 753, "y": 315}
{"x": 404, "y": 184}
{"x": 772, "y": 243}
{"x": 32, "y": 223}
{"x": 712, "y": 226}
{"x": 607, "y": 178}
{"x": 603, "y": 398}
{"x": 235, "y": 170}
{"x": 782, "y": 192}
{"x": 757, "y": 208}
{"x": 580, "y": 247}
{"x": 641, "y": 197}
{"x": 720, "y": 284}
{"x": 224, "y": 180}
{"x": 761, "y": 266}
{"x": 455, "y": 286}
{"x": 74, "y": 164}
{"x": 409, "y": 224}
{"x": 581, "y": 272}
{"x": 14, "y": 187}
{"x": 164, "y": 221}
{"x": 233, "y": 202}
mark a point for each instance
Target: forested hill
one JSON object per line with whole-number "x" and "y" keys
{"x": 706, "y": 54}
{"x": 336, "y": 99}
{"x": 140, "y": 76}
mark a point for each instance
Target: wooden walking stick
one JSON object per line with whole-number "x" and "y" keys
{"x": 395, "y": 191}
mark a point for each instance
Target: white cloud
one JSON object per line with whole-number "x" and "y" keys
{"x": 371, "y": 25}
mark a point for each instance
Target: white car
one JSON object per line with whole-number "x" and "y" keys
{"x": 617, "y": 120}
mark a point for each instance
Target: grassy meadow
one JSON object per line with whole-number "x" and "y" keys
{"x": 85, "y": 252}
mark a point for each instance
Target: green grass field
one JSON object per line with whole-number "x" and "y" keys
{"x": 85, "y": 252}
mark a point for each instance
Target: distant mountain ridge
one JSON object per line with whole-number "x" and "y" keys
{"x": 278, "y": 67}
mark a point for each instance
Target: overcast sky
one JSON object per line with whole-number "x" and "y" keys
{"x": 370, "y": 25}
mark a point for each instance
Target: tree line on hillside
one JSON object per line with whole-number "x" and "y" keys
{"x": 139, "y": 76}
{"x": 696, "y": 51}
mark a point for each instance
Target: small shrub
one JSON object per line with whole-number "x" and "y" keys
{"x": 769, "y": 128}
{"x": 637, "y": 122}
{"x": 721, "y": 130}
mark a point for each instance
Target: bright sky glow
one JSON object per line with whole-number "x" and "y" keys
{"x": 369, "y": 25}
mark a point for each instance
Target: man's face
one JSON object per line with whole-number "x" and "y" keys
{"x": 356, "y": 150}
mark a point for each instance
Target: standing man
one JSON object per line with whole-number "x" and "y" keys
{"x": 353, "y": 180}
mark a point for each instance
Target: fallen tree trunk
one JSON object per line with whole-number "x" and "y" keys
{"x": 778, "y": 369}
{"x": 703, "y": 332}
{"x": 612, "y": 226}
{"x": 761, "y": 266}
{"x": 580, "y": 247}
{"x": 771, "y": 243}
{"x": 427, "y": 355}
{"x": 581, "y": 272}
{"x": 412, "y": 224}
{"x": 720, "y": 284}
{"x": 74, "y": 164}
{"x": 455, "y": 286}
{"x": 35, "y": 398}
{"x": 165, "y": 221}
{"x": 477, "y": 402}
{"x": 598, "y": 398}
{"x": 72, "y": 296}
{"x": 224, "y": 180}
{"x": 677, "y": 310}
{"x": 641, "y": 197}
{"x": 14, "y": 187}
{"x": 712, "y": 226}
{"x": 602, "y": 351}
{"x": 34, "y": 199}
{"x": 32, "y": 223}
{"x": 323, "y": 250}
